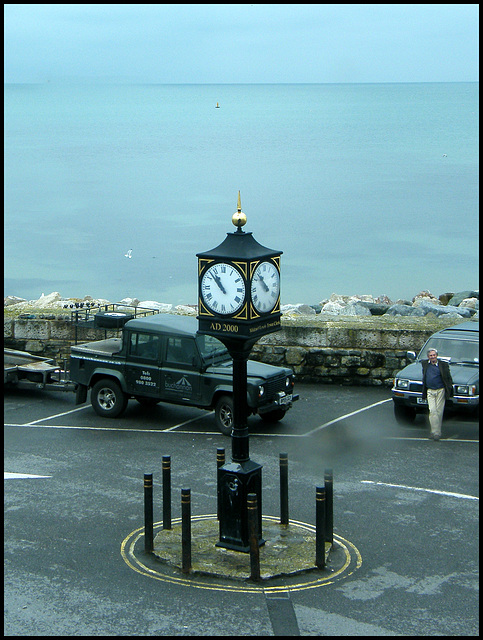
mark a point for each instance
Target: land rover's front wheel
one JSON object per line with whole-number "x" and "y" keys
{"x": 224, "y": 415}
{"x": 107, "y": 399}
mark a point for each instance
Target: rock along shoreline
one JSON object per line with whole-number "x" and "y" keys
{"x": 458, "y": 305}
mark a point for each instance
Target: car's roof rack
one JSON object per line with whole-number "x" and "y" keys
{"x": 83, "y": 314}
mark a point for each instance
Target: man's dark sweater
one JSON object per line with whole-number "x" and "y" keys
{"x": 437, "y": 377}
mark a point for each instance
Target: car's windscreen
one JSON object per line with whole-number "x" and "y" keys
{"x": 464, "y": 351}
{"x": 211, "y": 349}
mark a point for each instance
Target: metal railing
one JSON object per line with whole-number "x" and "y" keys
{"x": 83, "y": 314}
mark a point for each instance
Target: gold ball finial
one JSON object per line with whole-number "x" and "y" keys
{"x": 239, "y": 219}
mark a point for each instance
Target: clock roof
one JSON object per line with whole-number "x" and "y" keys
{"x": 239, "y": 246}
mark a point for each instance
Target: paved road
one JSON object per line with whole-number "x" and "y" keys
{"x": 406, "y": 506}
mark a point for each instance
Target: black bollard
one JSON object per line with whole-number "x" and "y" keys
{"x": 220, "y": 457}
{"x": 283, "y": 488}
{"x": 166, "y": 492}
{"x": 253, "y": 535}
{"x": 220, "y": 461}
{"x": 320, "y": 527}
{"x": 185, "y": 530}
{"x": 148, "y": 513}
{"x": 329, "y": 506}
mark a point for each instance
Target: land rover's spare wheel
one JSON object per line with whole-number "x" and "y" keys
{"x": 111, "y": 319}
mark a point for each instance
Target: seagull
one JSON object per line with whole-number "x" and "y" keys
{"x": 128, "y": 254}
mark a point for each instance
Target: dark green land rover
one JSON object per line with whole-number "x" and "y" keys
{"x": 162, "y": 358}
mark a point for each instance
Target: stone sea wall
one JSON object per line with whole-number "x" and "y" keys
{"x": 365, "y": 348}
{"x": 361, "y": 353}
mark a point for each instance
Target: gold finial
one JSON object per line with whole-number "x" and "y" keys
{"x": 239, "y": 219}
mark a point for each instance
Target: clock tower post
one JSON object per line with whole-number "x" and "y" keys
{"x": 238, "y": 302}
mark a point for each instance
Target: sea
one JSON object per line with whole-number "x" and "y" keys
{"x": 112, "y": 190}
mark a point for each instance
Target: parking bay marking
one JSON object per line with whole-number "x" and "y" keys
{"x": 20, "y": 476}
{"x": 348, "y": 415}
{"x": 124, "y": 430}
{"x": 182, "y": 424}
{"x": 403, "y": 486}
{"x": 58, "y": 415}
{"x": 177, "y": 426}
{"x": 34, "y": 423}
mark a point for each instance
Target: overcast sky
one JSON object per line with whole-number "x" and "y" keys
{"x": 241, "y": 43}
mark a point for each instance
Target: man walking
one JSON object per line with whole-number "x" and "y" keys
{"x": 437, "y": 386}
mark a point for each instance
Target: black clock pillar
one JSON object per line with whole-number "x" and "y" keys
{"x": 239, "y": 437}
{"x": 228, "y": 281}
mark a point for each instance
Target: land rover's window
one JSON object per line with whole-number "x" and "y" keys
{"x": 181, "y": 351}
{"x": 211, "y": 349}
{"x": 144, "y": 345}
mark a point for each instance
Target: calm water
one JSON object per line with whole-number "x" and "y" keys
{"x": 365, "y": 188}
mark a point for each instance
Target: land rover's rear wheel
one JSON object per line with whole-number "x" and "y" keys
{"x": 224, "y": 415}
{"x": 107, "y": 399}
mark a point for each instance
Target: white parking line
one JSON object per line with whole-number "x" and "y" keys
{"x": 120, "y": 429}
{"x": 34, "y": 423}
{"x": 182, "y": 424}
{"x": 426, "y": 439}
{"x": 177, "y": 428}
{"x": 20, "y": 476}
{"x": 403, "y": 486}
{"x": 348, "y": 415}
{"x": 58, "y": 415}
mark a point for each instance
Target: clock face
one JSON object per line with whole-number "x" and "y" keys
{"x": 223, "y": 289}
{"x": 265, "y": 287}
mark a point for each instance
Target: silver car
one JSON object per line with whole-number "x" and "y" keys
{"x": 459, "y": 345}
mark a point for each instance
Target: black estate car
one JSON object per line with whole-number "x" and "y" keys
{"x": 459, "y": 345}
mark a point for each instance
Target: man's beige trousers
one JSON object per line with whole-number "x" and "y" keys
{"x": 436, "y": 401}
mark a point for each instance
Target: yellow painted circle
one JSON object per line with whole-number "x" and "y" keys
{"x": 352, "y": 562}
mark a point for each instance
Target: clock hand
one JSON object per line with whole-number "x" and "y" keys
{"x": 218, "y": 282}
{"x": 264, "y": 284}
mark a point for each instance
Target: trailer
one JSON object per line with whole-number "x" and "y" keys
{"x": 23, "y": 369}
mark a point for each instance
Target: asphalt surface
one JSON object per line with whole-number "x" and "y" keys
{"x": 405, "y": 516}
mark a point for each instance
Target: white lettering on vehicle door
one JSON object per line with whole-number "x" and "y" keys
{"x": 145, "y": 379}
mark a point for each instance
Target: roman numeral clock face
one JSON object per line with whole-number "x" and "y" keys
{"x": 223, "y": 289}
{"x": 265, "y": 287}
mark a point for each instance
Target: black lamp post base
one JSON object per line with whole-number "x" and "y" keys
{"x": 235, "y": 481}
